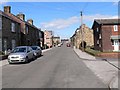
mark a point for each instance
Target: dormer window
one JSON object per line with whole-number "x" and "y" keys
{"x": 115, "y": 28}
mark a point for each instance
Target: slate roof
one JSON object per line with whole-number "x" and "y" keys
{"x": 108, "y": 21}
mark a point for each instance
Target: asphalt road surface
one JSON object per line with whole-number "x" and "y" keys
{"x": 59, "y": 67}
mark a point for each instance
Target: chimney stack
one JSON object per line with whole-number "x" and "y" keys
{"x": 30, "y": 21}
{"x": 7, "y": 9}
{"x": 21, "y": 16}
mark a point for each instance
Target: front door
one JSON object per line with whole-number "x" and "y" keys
{"x": 116, "y": 45}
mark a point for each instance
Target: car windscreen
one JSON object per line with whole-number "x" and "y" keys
{"x": 19, "y": 50}
{"x": 34, "y": 48}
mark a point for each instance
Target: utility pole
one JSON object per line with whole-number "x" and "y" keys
{"x": 82, "y": 32}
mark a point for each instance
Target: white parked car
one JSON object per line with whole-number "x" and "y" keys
{"x": 21, "y": 54}
{"x": 37, "y": 50}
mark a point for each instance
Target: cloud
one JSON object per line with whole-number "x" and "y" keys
{"x": 115, "y": 3}
{"x": 64, "y": 0}
{"x": 98, "y": 16}
{"x": 59, "y": 24}
{"x": 2, "y": 2}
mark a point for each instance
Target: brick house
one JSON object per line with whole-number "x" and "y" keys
{"x": 48, "y": 38}
{"x": 106, "y": 35}
{"x": 41, "y": 35}
{"x": 10, "y": 32}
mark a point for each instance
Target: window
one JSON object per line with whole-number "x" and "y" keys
{"x": 27, "y": 29}
{"x": 0, "y": 44}
{"x": 13, "y": 44}
{"x": 98, "y": 43}
{"x": 115, "y": 28}
{"x": 5, "y": 44}
{"x": 119, "y": 42}
{"x": 112, "y": 41}
{"x": 0, "y": 23}
{"x": 13, "y": 27}
{"x": 100, "y": 36}
{"x": 97, "y": 30}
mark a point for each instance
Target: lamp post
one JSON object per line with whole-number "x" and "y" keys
{"x": 82, "y": 32}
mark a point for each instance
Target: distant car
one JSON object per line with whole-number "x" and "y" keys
{"x": 21, "y": 54}
{"x": 37, "y": 50}
{"x": 59, "y": 45}
{"x": 68, "y": 45}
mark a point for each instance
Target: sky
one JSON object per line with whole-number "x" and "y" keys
{"x": 63, "y": 18}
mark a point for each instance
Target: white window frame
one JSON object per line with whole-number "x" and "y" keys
{"x": 98, "y": 42}
{"x": 13, "y": 27}
{"x": 100, "y": 36}
{"x": 115, "y": 28}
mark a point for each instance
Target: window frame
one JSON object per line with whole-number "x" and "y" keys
{"x": 0, "y": 22}
{"x": 13, "y": 27}
{"x": 115, "y": 28}
{"x": 13, "y": 43}
{"x": 27, "y": 29}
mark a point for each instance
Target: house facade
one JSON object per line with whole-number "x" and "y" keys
{"x": 48, "y": 38}
{"x": 56, "y": 40}
{"x": 10, "y": 32}
{"x": 41, "y": 36}
{"x": 83, "y": 33}
{"x": 32, "y": 34}
{"x": 106, "y": 35}
{"x": 16, "y": 30}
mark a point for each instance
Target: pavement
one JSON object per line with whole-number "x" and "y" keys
{"x": 105, "y": 68}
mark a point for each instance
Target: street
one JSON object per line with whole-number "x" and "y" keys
{"x": 59, "y": 67}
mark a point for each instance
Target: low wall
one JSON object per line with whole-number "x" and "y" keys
{"x": 110, "y": 55}
{"x": 3, "y": 57}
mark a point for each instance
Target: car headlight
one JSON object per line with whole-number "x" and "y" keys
{"x": 8, "y": 57}
{"x": 22, "y": 57}
{"x": 35, "y": 53}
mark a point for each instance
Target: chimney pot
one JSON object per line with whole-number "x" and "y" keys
{"x": 7, "y": 9}
{"x": 30, "y": 21}
{"x": 21, "y": 16}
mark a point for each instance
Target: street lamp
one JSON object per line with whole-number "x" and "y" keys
{"x": 82, "y": 33}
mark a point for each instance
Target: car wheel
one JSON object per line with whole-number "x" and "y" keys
{"x": 34, "y": 57}
{"x": 10, "y": 63}
{"x": 26, "y": 60}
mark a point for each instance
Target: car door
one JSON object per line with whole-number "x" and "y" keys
{"x": 39, "y": 50}
{"x": 28, "y": 53}
{"x": 31, "y": 53}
